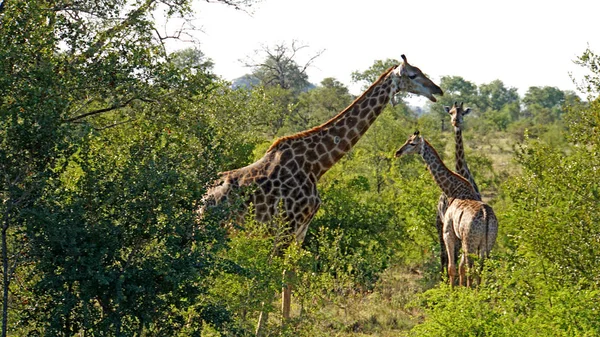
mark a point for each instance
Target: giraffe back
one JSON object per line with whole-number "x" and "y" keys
{"x": 276, "y": 182}
{"x": 474, "y": 223}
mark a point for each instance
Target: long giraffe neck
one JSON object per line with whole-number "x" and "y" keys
{"x": 324, "y": 145}
{"x": 461, "y": 163}
{"x": 452, "y": 184}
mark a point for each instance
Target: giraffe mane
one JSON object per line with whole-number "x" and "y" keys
{"x": 316, "y": 128}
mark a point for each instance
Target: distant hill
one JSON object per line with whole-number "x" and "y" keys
{"x": 246, "y": 81}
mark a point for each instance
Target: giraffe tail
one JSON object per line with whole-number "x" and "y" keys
{"x": 487, "y": 231}
{"x": 487, "y": 212}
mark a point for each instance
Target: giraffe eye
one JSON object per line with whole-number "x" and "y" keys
{"x": 412, "y": 77}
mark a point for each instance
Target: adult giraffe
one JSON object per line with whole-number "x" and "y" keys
{"x": 456, "y": 113}
{"x": 288, "y": 173}
{"x": 467, "y": 220}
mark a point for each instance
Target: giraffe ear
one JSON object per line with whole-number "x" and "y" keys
{"x": 447, "y": 108}
{"x": 466, "y": 111}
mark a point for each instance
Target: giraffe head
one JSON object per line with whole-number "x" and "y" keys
{"x": 411, "y": 79}
{"x": 456, "y": 114}
{"x": 414, "y": 144}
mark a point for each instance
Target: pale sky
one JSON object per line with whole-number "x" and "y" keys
{"x": 522, "y": 43}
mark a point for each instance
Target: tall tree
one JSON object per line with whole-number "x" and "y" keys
{"x": 192, "y": 58}
{"x": 545, "y": 104}
{"x": 318, "y": 105}
{"x": 456, "y": 89}
{"x": 69, "y": 73}
{"x": 370, "y": 75}
{"x": 280, "y": 66}
{"x": 494, "y": 96}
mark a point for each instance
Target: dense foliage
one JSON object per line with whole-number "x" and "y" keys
{"x": 108, "y": 142}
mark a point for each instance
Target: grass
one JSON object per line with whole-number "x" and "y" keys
{"x": 385, "y": 311}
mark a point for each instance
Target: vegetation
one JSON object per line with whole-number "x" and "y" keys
{"x": 108, "y": 142}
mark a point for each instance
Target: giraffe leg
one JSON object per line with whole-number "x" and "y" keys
{"x": 442, "y": 206}
{"x": 451, "y": 273}
{"x": 471, "y": 272}
{"x": 483, "y": 255}
{"x": 289, "y": 275}
{"x": 467, "y": 262}
{"x": 449, "y": 243}
{"x": 286, "y": 294}
{"x": 480, "y": 270}
{"x": 462, "y": 269}
{"x": 443, "y": 254}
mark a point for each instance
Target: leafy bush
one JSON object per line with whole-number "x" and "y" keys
{"x": 514, "y": 301}
{"x": 363, "y": 232}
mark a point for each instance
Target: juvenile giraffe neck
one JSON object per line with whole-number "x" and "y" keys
{"x": 461, "y": 163}
{"x": 452, "y": 184}
{"x": 325, "y": 145}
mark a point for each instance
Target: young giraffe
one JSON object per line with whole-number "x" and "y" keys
{"x": 467, "y": 218}
{"x": 287, "y": 174}
{"x": 456, "y": 118}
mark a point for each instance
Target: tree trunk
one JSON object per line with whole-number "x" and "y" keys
{"x": 5, "y": 279}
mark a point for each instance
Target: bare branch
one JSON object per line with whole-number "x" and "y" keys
{"x": 280, "y": 66}
{"x": 111, "y": 108}
{"x": 237, "y": 4}
{"x": 311, "y": 60}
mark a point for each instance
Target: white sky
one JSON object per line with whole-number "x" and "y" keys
{"x": 523, "y": 43}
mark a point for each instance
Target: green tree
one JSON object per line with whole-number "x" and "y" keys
{"x": 369, "y": 76}
{"x": 192, "y": 58}
{"x": 319, "y": 105}
{"x": 118, "y": 251}
{"x": 544, "y": 104}
{"x": 495, "y": 96}
{"x": 456, "y": 89}
{"x": 73, "y": 76}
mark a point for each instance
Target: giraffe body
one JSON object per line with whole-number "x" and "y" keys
{"x": 288, "y": 173}
{"x": 467, "y": 219}
{"x": 472, "y": 226}
{"x": 456, "y": 112}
